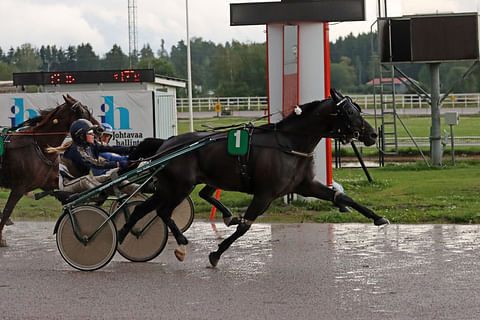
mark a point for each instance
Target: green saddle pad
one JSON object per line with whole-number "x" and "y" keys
{"x": 237, "y": 142}
{"x": 2, "y": 141}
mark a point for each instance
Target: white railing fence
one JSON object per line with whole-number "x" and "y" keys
{"x": 402, "y": 101}
{"x": 231, "y": 103}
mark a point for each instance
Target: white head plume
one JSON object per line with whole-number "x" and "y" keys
{"x": 298, "y": 110}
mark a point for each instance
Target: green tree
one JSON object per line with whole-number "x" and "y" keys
{"x": 162, "y": 53}
{"x": 342, "y": 75}
{"x": 25, "y": 58}
{"x": 116, "y": 59}
{"x": 146, "y": 52}
{"x": 9, "y": 55}
{"x": 86, "y": 58}
{"x": 6, "y": 71}
{"x": 240, "y": 69}
{"x": 71, "y": 55}
{"x": 202, "y": 59}
{"x": 160, "y": 65}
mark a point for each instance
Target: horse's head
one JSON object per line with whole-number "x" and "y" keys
{"x": 349, "y": 122}
{"x": 73, "y": 110}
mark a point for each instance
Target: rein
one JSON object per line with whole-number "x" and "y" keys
{"x": 249, "y": 125}
{"x": 37, "y": 133}
{"x": 175, "y": 147}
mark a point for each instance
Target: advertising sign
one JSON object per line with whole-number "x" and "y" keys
{"x": 130, "y": 113}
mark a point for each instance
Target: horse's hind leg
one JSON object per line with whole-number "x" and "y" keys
{"x": 256, "y": 208}
{"x": 182, "y": 241}
{"x": 12, "y": 201}
{"x": 164, "y": 211}
{"x": 138, "y": 213}
{"x": 206, "y": 194}
{"x": 320, "y": 191}
{"x": 343, "y": 199}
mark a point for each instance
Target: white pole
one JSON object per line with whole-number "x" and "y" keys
{"x": 189, "y": 72}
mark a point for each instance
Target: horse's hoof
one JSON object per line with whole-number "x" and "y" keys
{"x": 214, "y": 258}
{"x": 234, "y": 221}
{"x": 381, "y": 221}
{"x": 180, "y": 252}
{"x": 3, "y": 243}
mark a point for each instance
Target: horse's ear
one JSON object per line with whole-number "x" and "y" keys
{"x": 69, "y": 99}
{"x": 336, "y": 96}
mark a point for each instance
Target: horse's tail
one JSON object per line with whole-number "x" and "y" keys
{"x": 59, "y": 149}
{"x": 145, "y": 149}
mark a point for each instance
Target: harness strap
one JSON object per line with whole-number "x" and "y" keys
{"x": 246, "y": 180}
{"x": 42, "y": 156}
{"x": 298, "y": 153}
{"x": 243, "y": 161}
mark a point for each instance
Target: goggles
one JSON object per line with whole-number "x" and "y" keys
{"x": 90, "y": 131}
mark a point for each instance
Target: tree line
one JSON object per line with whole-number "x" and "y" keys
{"x": 230, "y": 69}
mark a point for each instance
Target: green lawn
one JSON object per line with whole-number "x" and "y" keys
{"x": 410, "y": 193}
{"x": 420, "y": 126}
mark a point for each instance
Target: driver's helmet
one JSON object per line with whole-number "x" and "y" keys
{"x": 107, "y": 129}
{"x": 79, "y": 128}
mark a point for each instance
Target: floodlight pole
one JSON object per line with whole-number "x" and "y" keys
{"x": 435, "y": 129}
{"x": 189, "y": 72}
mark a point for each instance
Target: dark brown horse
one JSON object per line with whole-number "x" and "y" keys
{"x": 278, "y": 162}
{"x": 26, "y": 165}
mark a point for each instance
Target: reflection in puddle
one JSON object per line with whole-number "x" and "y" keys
{"x": 375, "y": 261}
{"x": 249, "y": 255}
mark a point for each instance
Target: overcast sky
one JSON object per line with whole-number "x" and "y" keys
{"x": 103, "y": 23}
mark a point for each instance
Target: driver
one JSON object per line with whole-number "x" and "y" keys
{"x": 105, "y": 137}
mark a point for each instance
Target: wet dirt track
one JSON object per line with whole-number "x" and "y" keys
{"x": 278, "y": 271}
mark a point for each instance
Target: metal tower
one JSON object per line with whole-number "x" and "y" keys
{"x": 132, "y": 31}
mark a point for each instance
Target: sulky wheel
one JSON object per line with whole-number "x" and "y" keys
{"x": 147, "y": 238}
{"x": 182, "y": 214}
{"x": 97, "y": 251}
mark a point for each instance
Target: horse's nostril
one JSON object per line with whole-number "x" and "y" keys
{"x": 374, "y": 135}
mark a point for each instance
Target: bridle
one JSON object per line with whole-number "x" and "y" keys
{"x": 346, "y": 112}
{"x": 76, "y": 106}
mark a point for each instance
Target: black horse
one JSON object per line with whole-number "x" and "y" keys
{"x": 26, "y": 165}
{"x": 279, "y": 161}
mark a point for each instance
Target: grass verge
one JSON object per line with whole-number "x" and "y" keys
{"x": 408, "y": 193}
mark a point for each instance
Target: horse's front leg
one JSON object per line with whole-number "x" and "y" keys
{"x": 12, "y": 201}
{"x": 320, "y": 191}
{"x": 206, "y": 194}
{"x": 256, "y": 208}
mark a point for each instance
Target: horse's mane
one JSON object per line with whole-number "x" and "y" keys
{"x": 306, "y": 110}
{"x": 40, "y": 120}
